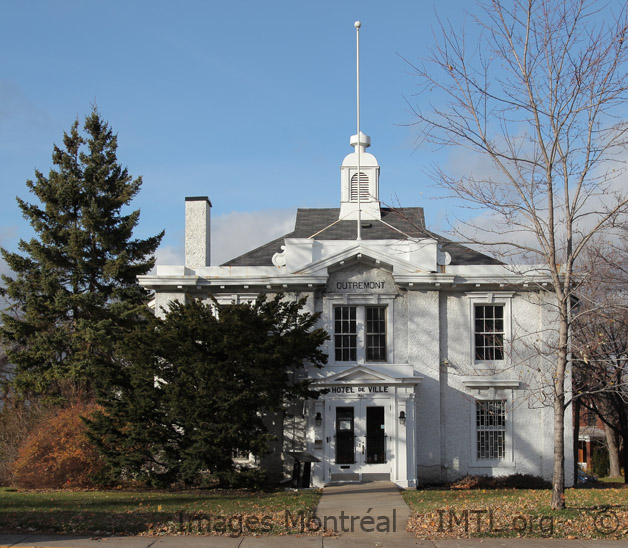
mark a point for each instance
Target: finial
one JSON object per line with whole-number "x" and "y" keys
{"x": 357, "y": 24}
{"x": 363, "y": 141}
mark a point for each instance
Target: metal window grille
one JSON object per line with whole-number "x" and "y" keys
{"x": 345, "y": 333}
{"x": 364, "y": 187}
{"x": 490, "y": 425}
{"x": 375, "y": 333}
{"x": 489, "y": 332}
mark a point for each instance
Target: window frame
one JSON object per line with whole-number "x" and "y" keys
{"x": 348, "y": 338}
{"x": 361, "y": 302}
{"x": 493, "y": 339}
{"x": 503, "y": 299}
{"x": 374, "y": 331}
{"x": 495, "y": 392}
{"x": 484, "y": 446}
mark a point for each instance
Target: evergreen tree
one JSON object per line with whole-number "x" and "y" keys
{"x": 74, "y": 289}
{"x": 196, "y": 386}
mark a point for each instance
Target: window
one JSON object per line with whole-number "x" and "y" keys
{"x": 490, "y": 426}
{"x": 350, "y": 345}
{"x": 489, "y": 332}
{"x": 345, "y": 333}
{"x": 375, "y": 334}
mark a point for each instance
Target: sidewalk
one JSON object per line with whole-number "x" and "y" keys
{"x": 374, "y": 511}
{"x": 49, "y": 541}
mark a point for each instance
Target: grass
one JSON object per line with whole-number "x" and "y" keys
{"x": 591, "y": 513}
{"x": 620, "y": 479}
{"x": 600, "y": 513}
{"x": 151, "y": 512}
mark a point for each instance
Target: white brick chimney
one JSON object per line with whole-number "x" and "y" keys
{"x": 197, "y": 231}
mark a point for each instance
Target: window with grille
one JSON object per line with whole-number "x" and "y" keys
{"x": 490, "y": 425}
{"x": 375, "y": 334}
{"x": 345, "y": 333}
{"x": 360, "y": 331}
{"x": 489, "y": 332}
{"x": 364, "y": 187}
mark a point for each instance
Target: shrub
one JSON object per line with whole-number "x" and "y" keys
{"x": 600, "y": 464}
{"x": 17, "y": 420}
{"x": 244, "y": 478}
{"x": 57, "y": 454}
{"x": 515, "y": 481}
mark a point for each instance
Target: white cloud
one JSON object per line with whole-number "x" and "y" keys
{"x": 169, "y": 254}
{"x": 236, "y": 233}
{"x": 607, "y": 187}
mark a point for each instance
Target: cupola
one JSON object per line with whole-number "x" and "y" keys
{"x": 366, "y": 182}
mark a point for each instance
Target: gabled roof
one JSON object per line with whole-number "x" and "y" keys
{"x": 396, "y": 224}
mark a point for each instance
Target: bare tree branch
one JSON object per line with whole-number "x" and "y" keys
{"x": 541, "y": 95}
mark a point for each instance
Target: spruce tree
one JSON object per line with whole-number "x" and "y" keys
{"x": 196, "y": 386}
{"x": 73, "y": 291}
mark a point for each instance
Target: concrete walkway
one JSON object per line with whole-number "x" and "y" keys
{"x": 291, "y": 541}
{"x": 373, "y": 511}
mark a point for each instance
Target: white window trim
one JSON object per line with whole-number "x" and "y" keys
{"x": 490, "y": 298}
{"x": 493, "y": 394}
{"x": 236, "y": 298}
{"x": 224, "y": 299}
{"x": 359, "y": 300}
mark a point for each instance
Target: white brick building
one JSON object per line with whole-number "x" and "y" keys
{"x": 433, "y": 372}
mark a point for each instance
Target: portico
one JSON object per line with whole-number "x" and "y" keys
{"x": 362, "y": 427}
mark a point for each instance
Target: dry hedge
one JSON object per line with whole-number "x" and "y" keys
{"x": 57, "y": 453}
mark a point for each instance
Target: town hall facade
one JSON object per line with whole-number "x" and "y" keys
{"x": 438, "y": 354}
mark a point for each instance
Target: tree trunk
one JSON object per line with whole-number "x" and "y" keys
{"x": 624, "y": 453}
{"x": 558, "y": 480}
{"x": 613, "y": 451}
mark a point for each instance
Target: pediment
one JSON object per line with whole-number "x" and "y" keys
{"x": 359, "y": 375}
{"x": 358, "y": 253}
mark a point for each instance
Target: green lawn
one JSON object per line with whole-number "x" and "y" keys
{"x": 591, "y": 513}
{"x": 152, "y": 512}
{"x": 620, "y": 479}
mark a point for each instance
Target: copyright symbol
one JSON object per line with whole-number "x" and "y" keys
{"x": 606, "y": 522}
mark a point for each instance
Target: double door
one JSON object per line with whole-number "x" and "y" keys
{"x": 358, "y": 447}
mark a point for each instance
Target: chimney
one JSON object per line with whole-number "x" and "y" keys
{"x": 197, "y": 231}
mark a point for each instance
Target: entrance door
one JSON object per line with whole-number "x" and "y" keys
{"x": 358, "y": 440}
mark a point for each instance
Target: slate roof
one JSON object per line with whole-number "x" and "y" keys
{"x": 323, "y": 224}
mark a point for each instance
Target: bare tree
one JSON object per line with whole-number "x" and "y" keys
{"x": 600, "y": 344}
{"x": 541, "y": 94}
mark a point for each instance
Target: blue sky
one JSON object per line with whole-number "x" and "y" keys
{"x": 250, "y": 103}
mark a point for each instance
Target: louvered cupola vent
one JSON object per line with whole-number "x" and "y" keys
{"x": 364, "y": 187}
{"x": 363, "y": 167}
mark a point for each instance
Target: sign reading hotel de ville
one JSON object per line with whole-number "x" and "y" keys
{"x": 361, "y": 280}
{"x": 370, "y": 389}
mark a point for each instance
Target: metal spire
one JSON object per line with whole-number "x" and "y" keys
{"x": 357, "y": 26}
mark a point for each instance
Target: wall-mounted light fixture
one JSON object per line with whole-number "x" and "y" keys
{"x": 318, "y": 419}
{"x": 402, "y": 417}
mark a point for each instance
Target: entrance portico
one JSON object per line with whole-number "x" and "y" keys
{"x": 366, "y": 430}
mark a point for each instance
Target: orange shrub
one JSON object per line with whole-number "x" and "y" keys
{"x": 57, "y": 453}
